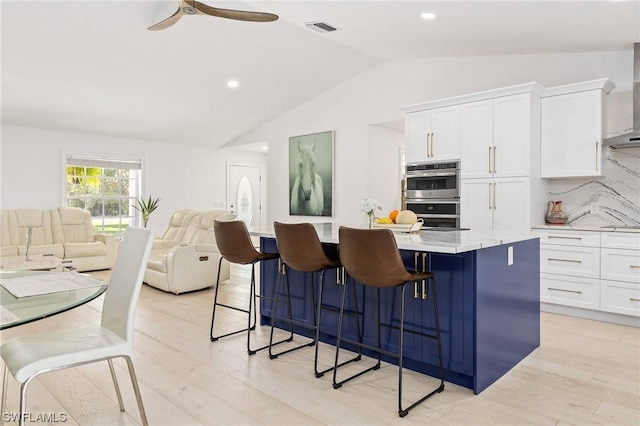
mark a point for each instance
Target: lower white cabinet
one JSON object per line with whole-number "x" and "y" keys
{"x": 570, "y": 291}
{"x": 593, "y": 270}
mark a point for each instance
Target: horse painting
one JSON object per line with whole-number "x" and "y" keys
{"x": 307, "y": 198}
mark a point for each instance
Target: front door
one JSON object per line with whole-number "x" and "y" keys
{"x": 244, "y": 196}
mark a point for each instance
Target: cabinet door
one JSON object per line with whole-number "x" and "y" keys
{"x": 417, "y": 136}
{"x": 445, "y": 140}
{"x": 511, "y": 154}
{"x": 511, "y": 201}
{"x": 571, "y": 135}
{"x": 476, "y": 139}
{"x": 475, "y": 203}
{"x": 433, "y": 135}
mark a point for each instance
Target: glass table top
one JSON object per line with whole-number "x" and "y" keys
{"x": 16, "y": 311}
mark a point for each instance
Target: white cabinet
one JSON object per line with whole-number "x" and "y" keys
{"x": 502, "y": 204}
{"x": 593, "y": 270}
{"x": 570, "y": 268}
{"x": 496, "y": 136}
{"x": 572, "y": 128}
{"x": 620, "y": 285}
{"x": 433, "y": 135}
{"x": 497, "y": 140}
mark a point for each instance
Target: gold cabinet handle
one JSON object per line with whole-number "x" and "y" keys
{"x": 564, "y": 238}
{"x": 495, "y": 189}
{"x": 489, "y": 195}
{"x": 424, "y": 289}
{"x": 494, "y": 159}
{"x": 633, "y": 299}
{"x": 489, "y": 158}
{"x": 566, "y": 291}
{"x": 634, "y": 266}
{"x": 415, "y": 290}
{"x": 415, "y": 261}
{"x": 563, "y": 260}
{"x": 597, "y": 153}
{"x": 431, "y": 145}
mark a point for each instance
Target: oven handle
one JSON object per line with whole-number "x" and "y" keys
{"x": 432, "y": 201}
{"x": 430, "y": 174}
{"x": 438, "y": 216}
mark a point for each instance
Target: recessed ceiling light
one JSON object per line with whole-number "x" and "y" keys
{"x": 265, "y": 148}
{"x": 428, "y": 15}
{"x": 233, "y": 83}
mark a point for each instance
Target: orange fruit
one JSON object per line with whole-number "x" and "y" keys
{"x": 393, "y": 215}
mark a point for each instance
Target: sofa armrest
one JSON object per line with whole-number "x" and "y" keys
{"x": 111, "y": 243}
{"x": 207, "y": 248}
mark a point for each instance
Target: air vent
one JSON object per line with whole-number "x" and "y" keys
{"x": 321, "y": 27}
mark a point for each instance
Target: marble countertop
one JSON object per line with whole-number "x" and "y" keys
{"x": 596, "y": 228}
{"x": 432, "y": 241}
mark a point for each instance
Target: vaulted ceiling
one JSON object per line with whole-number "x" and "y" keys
{"x": 92, "y": 66}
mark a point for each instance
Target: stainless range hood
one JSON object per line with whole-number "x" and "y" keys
{"x": 631, "y": 140}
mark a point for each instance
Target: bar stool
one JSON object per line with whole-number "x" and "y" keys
{"x": 234, "y": 243}
{"x": 371, "y": 257}
{"x": 301, "y": 250}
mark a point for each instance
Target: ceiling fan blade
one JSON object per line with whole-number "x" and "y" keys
{"x": 239, "y": 15}
{"x": 167, "y": 22}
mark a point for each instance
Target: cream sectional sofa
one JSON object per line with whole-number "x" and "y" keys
{"x": 66, "y": 233}
{"x": 186, "y": 257}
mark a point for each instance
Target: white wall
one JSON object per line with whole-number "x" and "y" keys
{"x": 183, "y": 176}
{"x": 375, "y": 96}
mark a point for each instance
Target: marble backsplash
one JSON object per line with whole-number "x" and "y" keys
{"x": 613, "y": 199}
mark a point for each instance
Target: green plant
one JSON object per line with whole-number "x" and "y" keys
{"x": 146, "y": 208}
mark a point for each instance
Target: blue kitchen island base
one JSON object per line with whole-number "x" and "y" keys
{"x": 489, "y": 305}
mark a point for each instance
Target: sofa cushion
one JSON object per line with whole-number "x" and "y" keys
{"x": 84, "y": 249}
{"x": 40, "y": 223}
{"x": 178, "y": 224}
{"x": 28, "y": 217}
{"x": 8, "y": 251}
{"x": 75, "y": 224}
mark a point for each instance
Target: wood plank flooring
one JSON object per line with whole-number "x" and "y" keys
{"x": 584, "y": 373}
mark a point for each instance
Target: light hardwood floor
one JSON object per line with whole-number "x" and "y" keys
{"x": 584, "y": 373}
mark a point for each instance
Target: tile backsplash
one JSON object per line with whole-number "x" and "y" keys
{"x": 613, "y": 199}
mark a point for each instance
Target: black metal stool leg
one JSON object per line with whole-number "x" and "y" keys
{"x": 403, "y": 412}
{"x": 337, "y": 384}
{"x": 289, "y": 320}
{"x": 319, "y": 374}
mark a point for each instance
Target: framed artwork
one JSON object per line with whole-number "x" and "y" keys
{"x": 311, "y": 174}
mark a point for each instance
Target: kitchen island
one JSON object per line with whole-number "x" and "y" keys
{"x": 488, "y": 285}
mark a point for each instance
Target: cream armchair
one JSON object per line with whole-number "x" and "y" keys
{"x": 186, "y": 257}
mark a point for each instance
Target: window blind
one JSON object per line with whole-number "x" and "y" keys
{"x": 104, "y": 162}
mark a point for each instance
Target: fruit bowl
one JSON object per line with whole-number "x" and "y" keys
{"x": 400, "y": 227}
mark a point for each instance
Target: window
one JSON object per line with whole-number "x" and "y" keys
{"x": 107, "y": 187}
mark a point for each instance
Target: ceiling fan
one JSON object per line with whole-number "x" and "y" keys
{"x": 193, "y": 7}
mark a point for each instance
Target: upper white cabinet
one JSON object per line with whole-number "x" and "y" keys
{"x": 433, "y": 135}
{"x": 496, "y": 136}
{"x": 572, "y": 128}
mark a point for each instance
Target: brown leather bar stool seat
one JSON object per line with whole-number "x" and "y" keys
{"x": 371, "y": 257}
{"x": 235, "y": 245}
{"x": 301, "y": 250}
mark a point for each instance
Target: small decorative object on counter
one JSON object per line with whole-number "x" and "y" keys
{"x": 369, "y": 206}
{"x": 555, "y": 215}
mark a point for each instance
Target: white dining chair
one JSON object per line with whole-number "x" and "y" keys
{"x": 26, "y": 357}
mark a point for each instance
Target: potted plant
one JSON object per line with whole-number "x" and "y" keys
{"x": 146, "y": 208}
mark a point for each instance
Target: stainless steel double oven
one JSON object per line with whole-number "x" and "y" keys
{"x": 432, "y": 192}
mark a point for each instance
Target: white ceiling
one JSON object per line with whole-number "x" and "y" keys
{"x": 92, "y": 66}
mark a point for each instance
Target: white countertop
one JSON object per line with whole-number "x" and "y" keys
{"x": 432, "y": 241}
{"x": 592, "y": 228}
